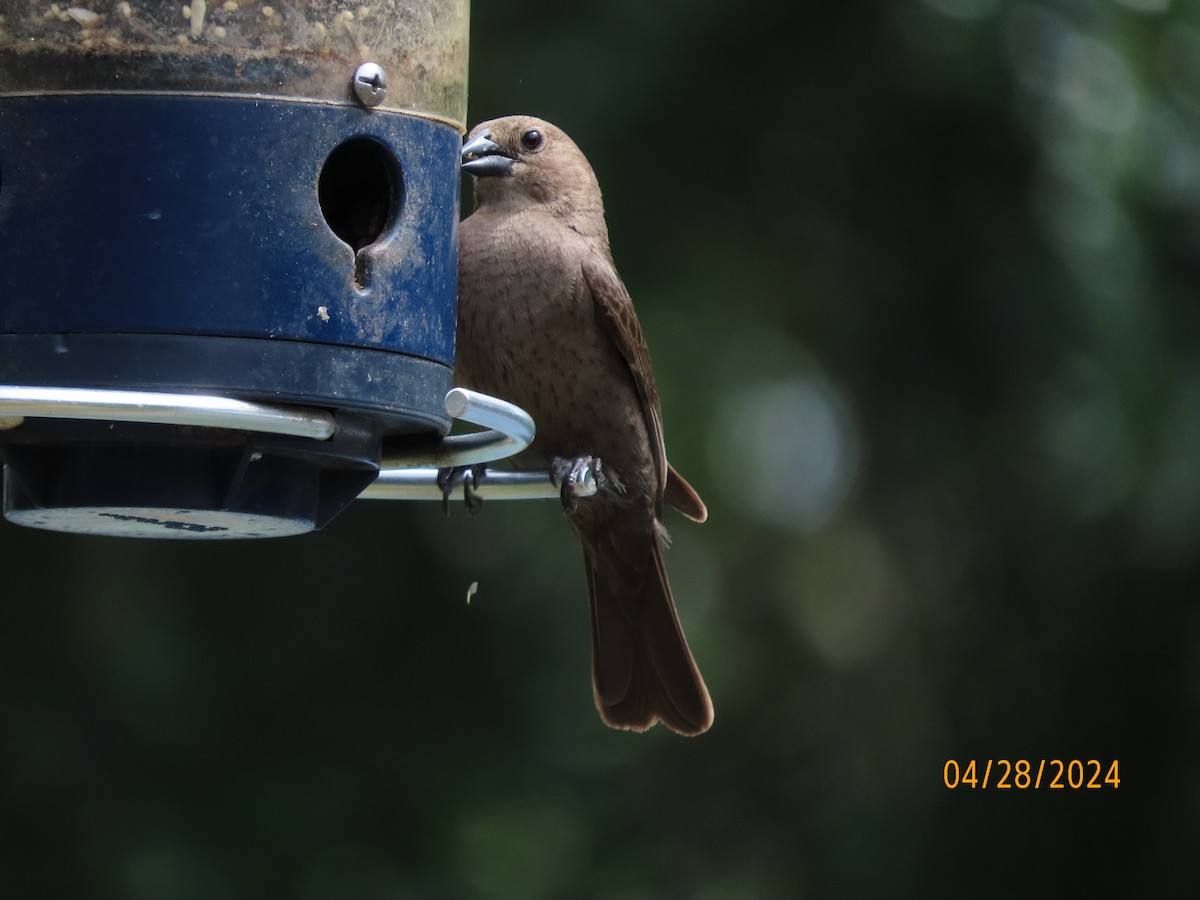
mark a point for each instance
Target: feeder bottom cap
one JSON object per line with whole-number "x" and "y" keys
{"x": 150, "y": 522}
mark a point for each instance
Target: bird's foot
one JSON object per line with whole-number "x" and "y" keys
{"x": 470, "y": 478}
{"x": 569, "y": 474}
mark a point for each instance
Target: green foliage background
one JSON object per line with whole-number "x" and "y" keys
{"x": 919, "y": 280}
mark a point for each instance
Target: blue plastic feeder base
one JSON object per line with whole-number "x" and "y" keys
{"x": 179, "y": 482}
{"x": 282, "y": 252}
{"x": 402, "y": 393}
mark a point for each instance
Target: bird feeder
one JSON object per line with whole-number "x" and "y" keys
{"x": 228, "y": 261}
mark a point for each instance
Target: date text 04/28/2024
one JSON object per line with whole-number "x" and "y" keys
{"x": 1024, "y": 774}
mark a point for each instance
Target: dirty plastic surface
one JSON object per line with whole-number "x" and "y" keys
{"x": 284, "y": 48}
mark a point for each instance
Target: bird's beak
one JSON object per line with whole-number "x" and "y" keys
{"x": 482, "y": 157}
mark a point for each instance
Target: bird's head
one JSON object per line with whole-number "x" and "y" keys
{"x": 522, "y": 160}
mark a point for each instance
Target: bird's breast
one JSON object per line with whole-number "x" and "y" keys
{"x": 528, "y": 333}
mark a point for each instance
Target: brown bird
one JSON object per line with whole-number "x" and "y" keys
{"x": 545, "y": 322}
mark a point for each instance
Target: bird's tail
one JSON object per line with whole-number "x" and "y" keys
{"x": 642, "y": 669}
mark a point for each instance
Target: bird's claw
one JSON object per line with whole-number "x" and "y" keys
{"x": 470, "y": 477}
{"x": 568, "y": 474}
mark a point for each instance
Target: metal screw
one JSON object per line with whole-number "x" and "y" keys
{"x": 370, "y": 84}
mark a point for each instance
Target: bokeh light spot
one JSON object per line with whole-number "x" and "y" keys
{"x": 787, "y": 451}
{"x": 846, "y": 594}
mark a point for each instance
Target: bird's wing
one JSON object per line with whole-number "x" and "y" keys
{"x": 615, "y": 312}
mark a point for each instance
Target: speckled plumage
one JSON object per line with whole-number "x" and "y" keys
{"x": 545, "y": 322}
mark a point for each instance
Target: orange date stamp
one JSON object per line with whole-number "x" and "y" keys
{"x": 1032, "y": 775}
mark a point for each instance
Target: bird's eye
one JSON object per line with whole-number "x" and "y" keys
{"x": 531, "y": 139}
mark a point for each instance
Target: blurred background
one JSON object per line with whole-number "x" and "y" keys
{"x": 919, "y": 279}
